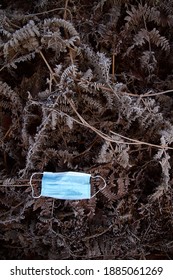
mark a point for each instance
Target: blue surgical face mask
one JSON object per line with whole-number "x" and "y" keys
{"x": 66, "y": 185}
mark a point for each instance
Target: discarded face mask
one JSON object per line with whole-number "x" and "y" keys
{"x": 66, "y": 185}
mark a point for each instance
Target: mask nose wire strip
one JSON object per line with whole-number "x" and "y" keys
{"x": 30, "y": 182}
{"x": 98, "y": 176}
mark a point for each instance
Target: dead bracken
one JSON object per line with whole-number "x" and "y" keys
{"x": 87, "y": 86}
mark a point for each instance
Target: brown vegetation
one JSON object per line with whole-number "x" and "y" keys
{"x": 87, "y": 86}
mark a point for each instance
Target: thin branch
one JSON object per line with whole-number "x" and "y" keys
{"x": 50, "y": 11}
{"x": 65, "y": 10}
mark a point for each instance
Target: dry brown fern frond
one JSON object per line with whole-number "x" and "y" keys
{"x": 95, "y": 105}
{"x": 111, "y": 196}
{"x": 148, "y": 61}
{"x": 140, "y": 14}
{"x": 59, "y": 34}
{"x": 135, "y": 16}
{"x": 106, "y": 154}
{"x": 68, "y": 74}
{"x": 166, "y": 11}
{"x": 158, "y": 40}
{"x": 152, "y": 37}
{"x": 14, "y": 100}
{"x": 100, "y": 62}
{"x": 111, "y": 13}
{"x": 23, "y": 58}
{"x": 25, "y": 38}
{"x": 55, "y": 23}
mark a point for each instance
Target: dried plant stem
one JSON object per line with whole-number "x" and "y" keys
{"x": 14, "y": 207}
{"x": 108, "y": 138}
{"x": 65, "y": 10}
{"x": 98, "y": 234}
{"x": 113, "y": 65}
{"x": 155, "y": 94}
{"x": 50, "y": 11}
{"x": 147, "y": 94}
{"x": 47, "y": 64}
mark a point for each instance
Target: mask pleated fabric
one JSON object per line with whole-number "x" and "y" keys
{"x": 66, "y": 185}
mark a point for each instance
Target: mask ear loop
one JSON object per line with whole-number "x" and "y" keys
{"x": 98, "y": 176}
{"x": 30, "y": 182}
